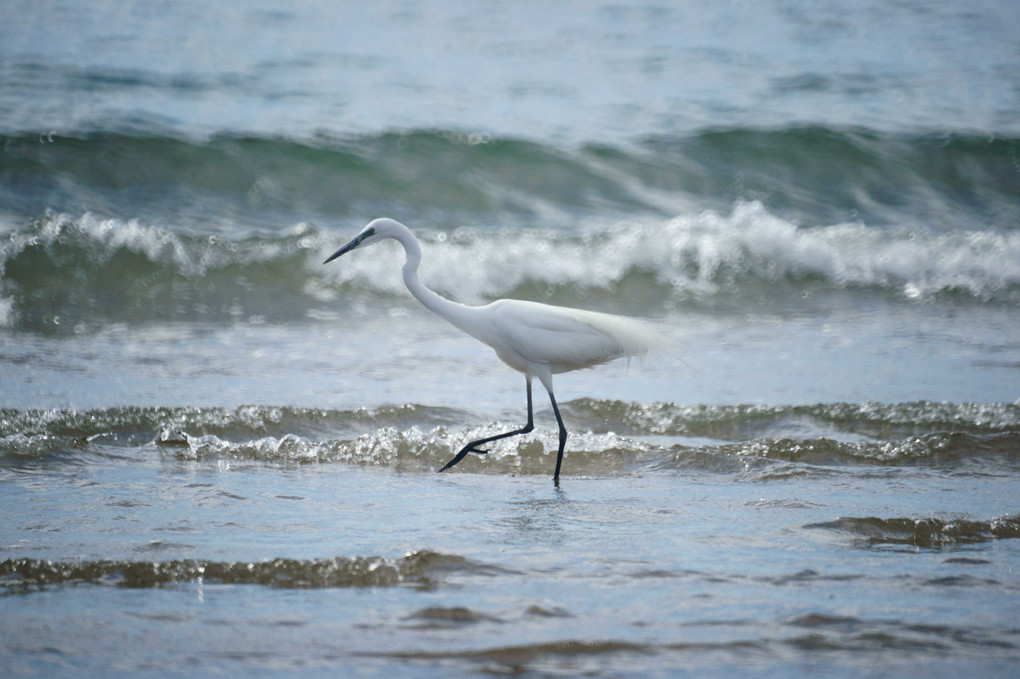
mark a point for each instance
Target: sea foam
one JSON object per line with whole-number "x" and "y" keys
{"x": 703, "y": 255}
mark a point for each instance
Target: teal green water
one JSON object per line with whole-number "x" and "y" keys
{"x": 217, "y": 455}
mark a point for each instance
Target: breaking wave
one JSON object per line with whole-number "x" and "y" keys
{"x": 754, "y": 443}
{"x": 78, "y": 272}
{"x": 109, "y": 227}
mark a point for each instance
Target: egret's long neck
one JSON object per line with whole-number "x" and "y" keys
{"x": 435, "y": 303}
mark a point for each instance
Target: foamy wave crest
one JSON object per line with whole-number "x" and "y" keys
{"x": 62, "y": 271}
{"x": 415, "y": 449}
{"x": 878, "y": 421}
{"x": 750, "y": 443}
{"x": 710, "y": 253}
{"x": 701, "y": 256}
{"x": 66, "y": 272}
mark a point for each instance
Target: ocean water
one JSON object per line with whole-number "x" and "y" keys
{"x": 217, "y": 455}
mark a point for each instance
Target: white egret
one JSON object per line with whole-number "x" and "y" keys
{"x": 537, "y": 339}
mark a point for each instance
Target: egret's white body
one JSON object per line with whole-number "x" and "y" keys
{"x": 536, "y": 339}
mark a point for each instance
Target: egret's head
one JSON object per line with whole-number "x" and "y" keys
{"x": 376, "y": 230}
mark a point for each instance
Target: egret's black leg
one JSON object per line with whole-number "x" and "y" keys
{"x": 473, "y": 446}
{"x": 563, "y": 439}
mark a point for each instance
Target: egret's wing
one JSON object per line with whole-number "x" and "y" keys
{"x": 568, "y": 339}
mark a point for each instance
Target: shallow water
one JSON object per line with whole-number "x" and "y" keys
{"x": 218, "y": 455}
{"x": 640, "y": 574}
{"x": 704, "y": 539}
{"x": 649, "y": 571}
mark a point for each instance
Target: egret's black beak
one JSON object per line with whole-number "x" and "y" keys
{"x": 347, "y": 248}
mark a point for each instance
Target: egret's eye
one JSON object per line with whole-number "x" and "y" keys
{"x": 368, "y": 232}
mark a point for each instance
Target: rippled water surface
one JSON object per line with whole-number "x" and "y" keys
{"x": 217, "y": 455}
{"x": 716, "y": 539}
